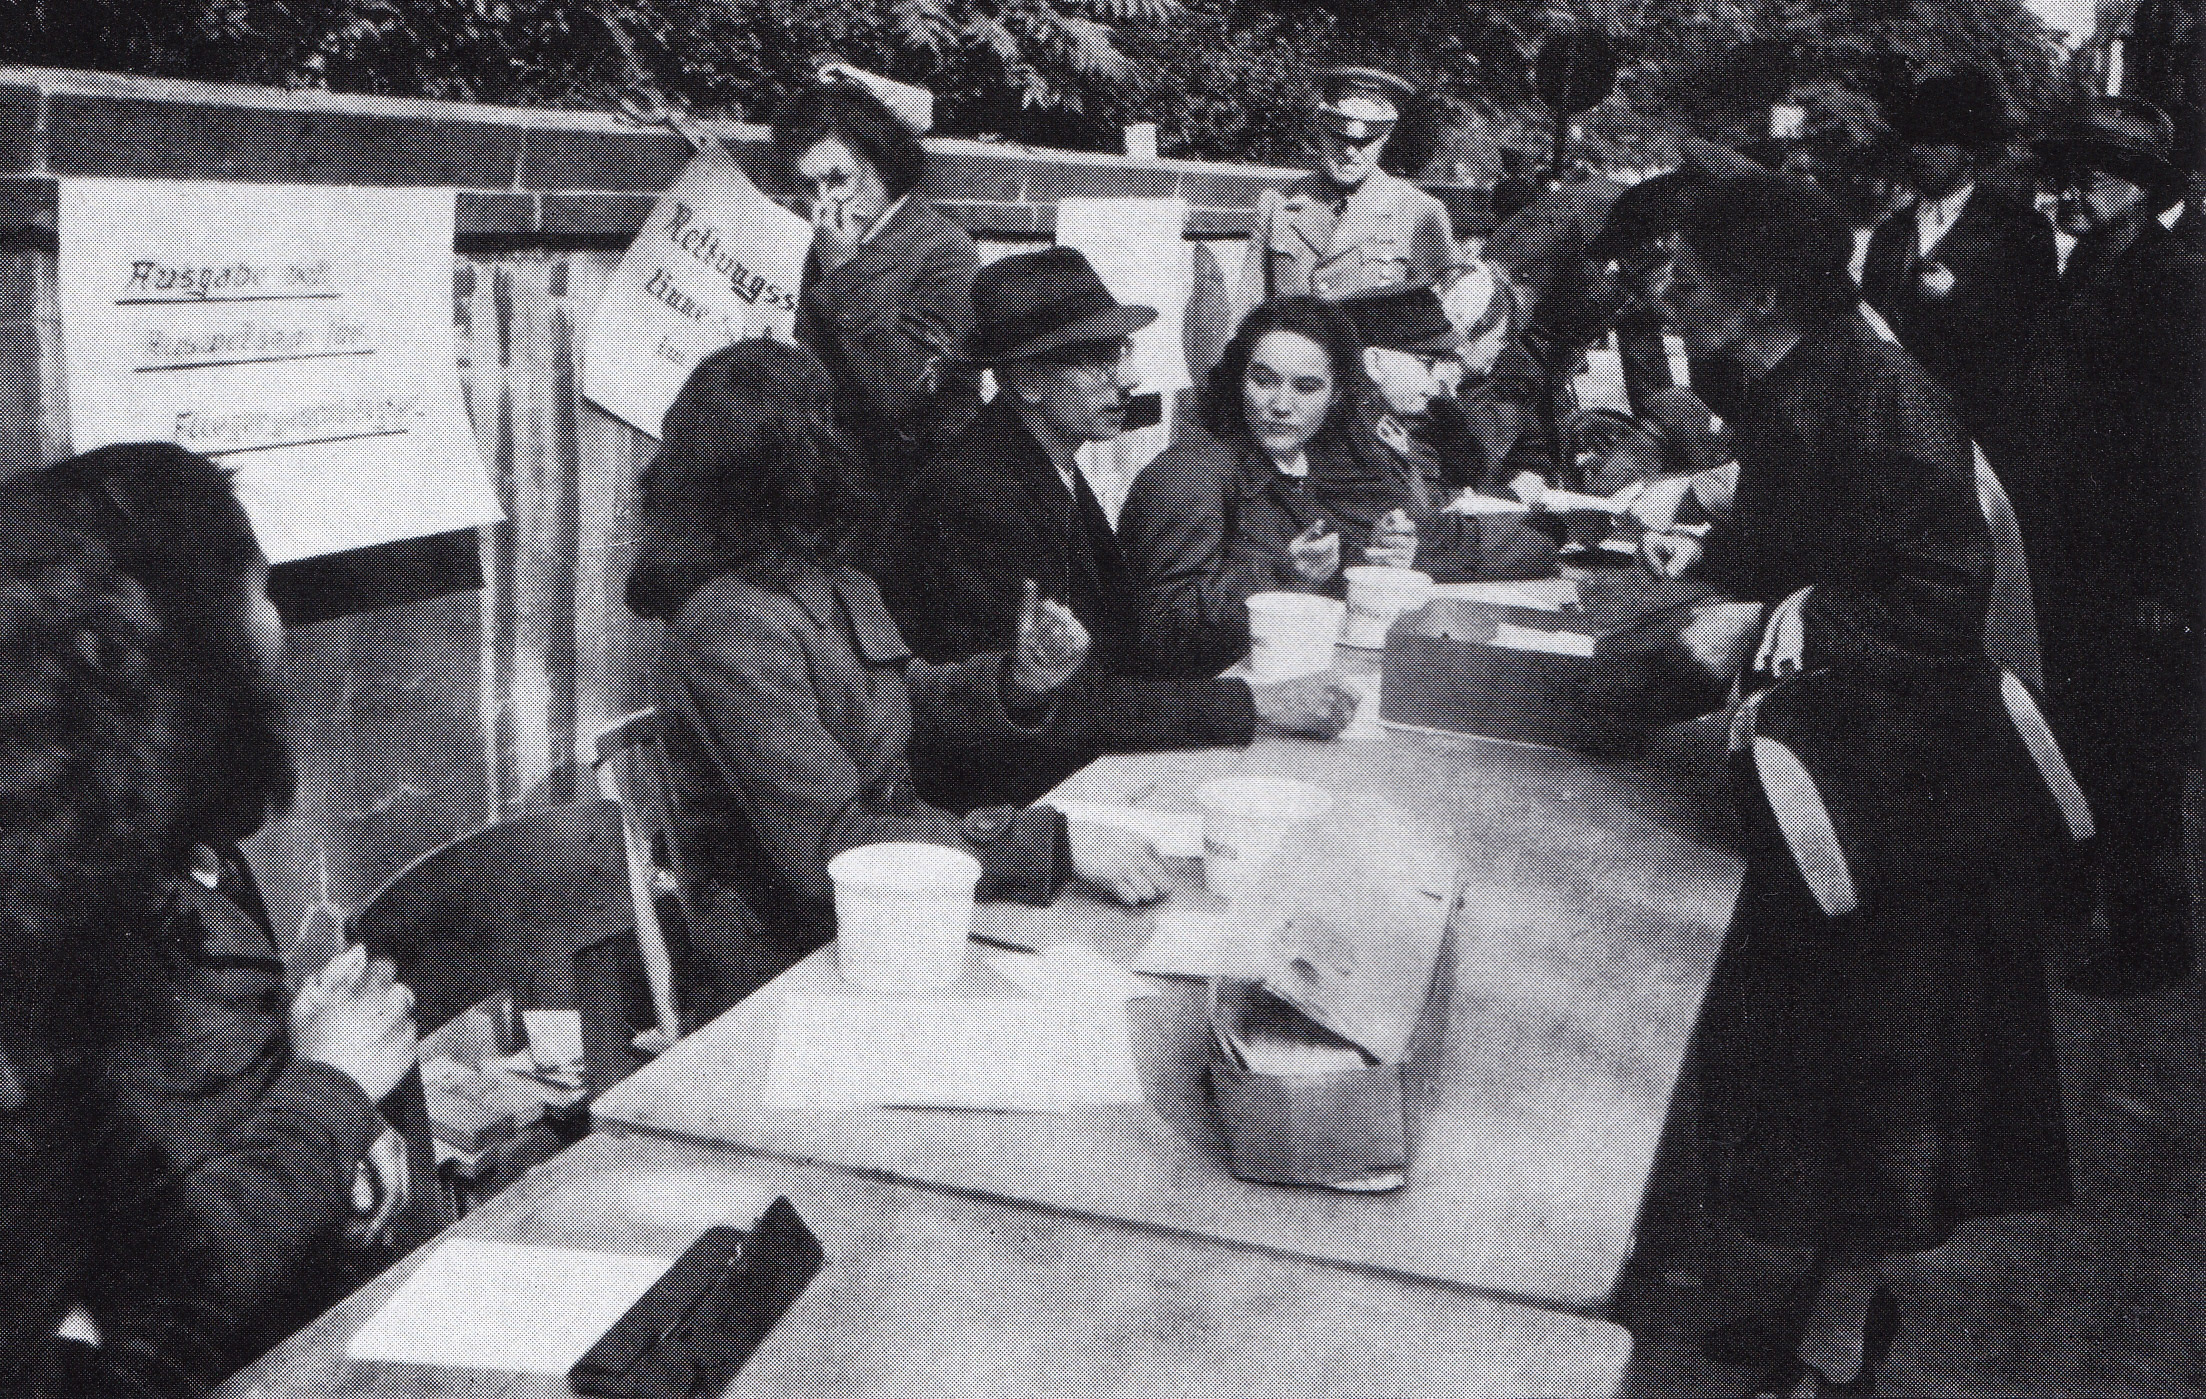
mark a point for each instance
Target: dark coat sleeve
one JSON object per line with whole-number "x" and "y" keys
{"x": 748, "y": 677}
{"x": 1193, "y": 564}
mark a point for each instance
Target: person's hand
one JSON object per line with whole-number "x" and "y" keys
{"x": 838, "y": 233}
{"x": 1393, "y": 541}
{"x": 1124, "y": 865}
{"x": 1315, "y": 706}
{"x": 1785, "y": 637}
{"x": 1670, "y": 555}
{"x": 1719, "y": 637}
{"x": 1052, "y": 644}
{"x": 1529, "y": 487}
{"x": 354, "y": 1017}
{"x": 1315, "y": 553}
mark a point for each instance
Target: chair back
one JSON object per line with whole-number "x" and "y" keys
{"x": 632, "y": 770}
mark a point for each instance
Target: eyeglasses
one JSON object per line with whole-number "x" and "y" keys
{"x": 1098, "y": 361}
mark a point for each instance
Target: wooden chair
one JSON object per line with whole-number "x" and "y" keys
{"x": 632, "y": 770}
{"x": 503, "y": 909}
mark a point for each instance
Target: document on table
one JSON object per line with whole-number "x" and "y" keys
{"x": 1073, "y": 971}
{"x": 1555, "y": 643}
{"x": 1205, "y": 942}
{"x": 478, "y": 1305}
{"x": 1176, "y": 835}
{"x": 992, "y": 1053}
{"x": 1536, "y": 594}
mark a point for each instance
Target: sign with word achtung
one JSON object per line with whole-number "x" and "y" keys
{"x": 299, "y": 334}
{"x": 716, "y": 262}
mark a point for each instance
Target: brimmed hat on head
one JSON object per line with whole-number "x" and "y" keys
{"x": 1361, "y": 103}
{"x": 2125, "y": 136}
{"x": 1028, "y": 306}
{"x": 1961, "y": 108}
{"x": 1409, "y": 319}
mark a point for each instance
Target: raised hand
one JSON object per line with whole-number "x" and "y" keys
{"x": 1052, "y": 644}
{"x": 1669, "y": 555}
{"x": 1315, "y": 553}
{"x": 1393, "y": 542}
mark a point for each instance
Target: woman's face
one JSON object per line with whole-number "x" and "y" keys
{"x": 1286, "y": 391}
{"x": 1711, "y": 319}
{"x": 847, "y": 193}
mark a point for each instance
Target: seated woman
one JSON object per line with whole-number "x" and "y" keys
{"x": 183, "y": 1143}
{"x": 1230, "y": 511}
{"x": 1875, "y": 1051}
{"x": 795, "y": 696}
{"x": 887, "y": 292}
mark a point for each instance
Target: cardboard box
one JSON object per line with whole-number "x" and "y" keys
{"x": 1474, "y": 668}
{"x": 1306, "y": 1062}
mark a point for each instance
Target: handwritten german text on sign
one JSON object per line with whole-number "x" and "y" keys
{"x": 716, "y": 262}
{"x": 300, "y": 335}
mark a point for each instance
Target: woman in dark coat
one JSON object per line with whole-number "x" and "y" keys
{"x": 795, "y": 696}
{"x": 1876, "y": 1056}
{"x": 181, "y": 1142}
{"x": 886, "y": 298}
{"x": 1231, "y": 510}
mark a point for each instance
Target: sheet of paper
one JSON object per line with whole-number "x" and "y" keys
{"x": 1537, "y": 594}
{"x": 1472, "y": 503}
{"x": 1176, "y": 834}
{"x": 1072, "y": 971}
{"x": 1558, "y": 499}
{"x": 1205, "y": 942}
{"x": 555, "y": 1036}
{"x": 478, "y": 1305}
{"x": 997, "y": 1053}
{"x": 1555, "y": 643}
{"x": 301, "y": 335}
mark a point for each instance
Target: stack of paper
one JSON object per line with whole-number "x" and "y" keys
{"x": 1003, "y": 1054}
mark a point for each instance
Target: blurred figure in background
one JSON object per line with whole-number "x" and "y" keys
{"x": 1963, "y": 271}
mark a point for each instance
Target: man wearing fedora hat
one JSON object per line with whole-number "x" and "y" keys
{"x": 2111, "y": 505}
{"x": 1413, "y": 447}
{"x": 1962, "y": 272}
{"x": 1007, "y": 503}
{"x": 1347, "y": 226}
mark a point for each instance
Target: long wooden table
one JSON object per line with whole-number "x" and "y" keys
{"x": 925, "y": 1293}
{"x": 1595, "y": 899}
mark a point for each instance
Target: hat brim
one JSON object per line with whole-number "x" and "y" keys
{"x": 2161, "y": 181}
{"x": 1101, "y": 328}
{"x": 1444, "y": 344}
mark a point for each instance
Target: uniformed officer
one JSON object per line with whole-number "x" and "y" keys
{"x": 1348, "y": 226}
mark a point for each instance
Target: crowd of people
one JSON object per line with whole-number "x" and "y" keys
{"x": 894, "y": 608}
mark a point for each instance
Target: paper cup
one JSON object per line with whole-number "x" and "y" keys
{"x": 902, "y": 913}
{"x": 1292, "y": 634}
{"x": 1376, "y": 596}
{"x": 1245, "y": 819}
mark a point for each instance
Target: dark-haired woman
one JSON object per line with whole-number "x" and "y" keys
{"x": 1232, "y": 510}
{"x": 1875, "y": 1051}
{"x": 887, "y": 293}
{"x": 796, "y": 697}
{"x": 180, "y": 1139}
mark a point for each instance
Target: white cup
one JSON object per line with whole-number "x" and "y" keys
{"x": 902, "y": 914}
{"x": 1245, "y": 820}
{"x": 1376, "y": 596}
{"x": 1292, "y": 634}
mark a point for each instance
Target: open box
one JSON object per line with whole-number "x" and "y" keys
{"x": 1307, "y": 1061}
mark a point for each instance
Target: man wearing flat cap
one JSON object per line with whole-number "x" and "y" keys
{"x": 1348, "y": 226}
{"x": 1412, "y": 449}
{"x": 1008, "y": 503}
{"x": 1963, "y": 271}
{"x": 2111, "y": 508}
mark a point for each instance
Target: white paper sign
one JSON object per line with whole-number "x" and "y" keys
{"x": 299, "y": 334}
{"x": 1137, "y": 247}
{"x": 716, "y": 262}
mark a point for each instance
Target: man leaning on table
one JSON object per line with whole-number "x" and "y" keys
{"x": 1008, "y": 503}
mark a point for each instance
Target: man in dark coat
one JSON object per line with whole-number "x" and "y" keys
{"x": 1009, "y": 504}
{"x": 2115, "y": 403}
{"x": 1963, "y": 271}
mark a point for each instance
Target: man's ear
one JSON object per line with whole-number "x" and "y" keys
{"x": 1018, "y": 381}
